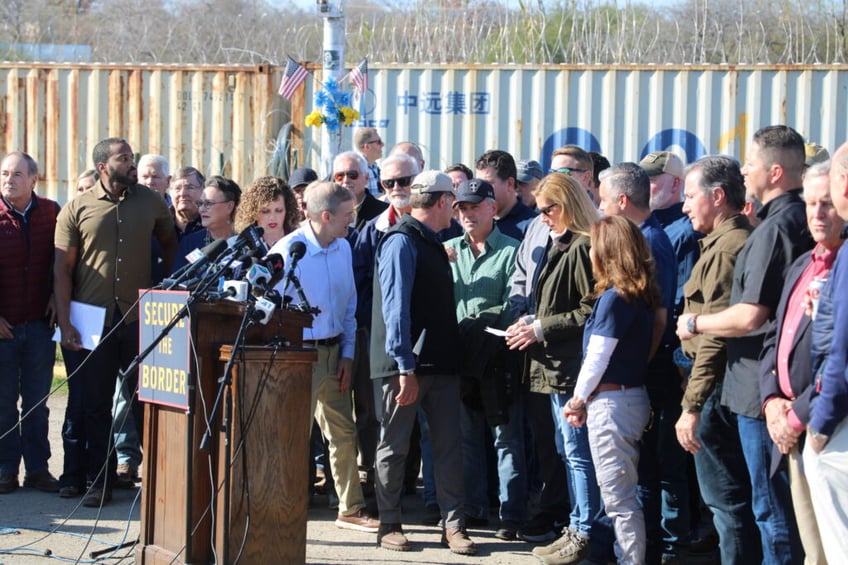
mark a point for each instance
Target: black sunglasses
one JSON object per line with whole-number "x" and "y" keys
{"x": 400, "y": 181}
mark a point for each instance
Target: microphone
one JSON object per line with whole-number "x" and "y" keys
{"x": 296, "y": 251}
{"x": 275, "y": 264}
{"x": 208, "y": 254}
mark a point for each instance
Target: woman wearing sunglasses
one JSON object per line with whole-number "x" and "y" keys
{"x": 553, "y": 339}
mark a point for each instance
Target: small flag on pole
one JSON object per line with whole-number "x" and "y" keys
{"x": 293, "y": 77}
{"x": 359, "y": 76}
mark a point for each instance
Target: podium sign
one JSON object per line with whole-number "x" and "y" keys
{"x": 163, "y": 375}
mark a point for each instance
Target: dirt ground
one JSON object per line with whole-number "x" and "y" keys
{"x": 36, "y": 527}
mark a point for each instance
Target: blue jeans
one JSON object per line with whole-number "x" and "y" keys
{"x": 772, "y": 501}
{"x": 26, "y": 372}
{"x": 573, "y": 444}
{"x": 512, "y": 467}
{"x": 663, "y": 485}
{"x": 725, "y": 483}
{"x": 127, "y": 422}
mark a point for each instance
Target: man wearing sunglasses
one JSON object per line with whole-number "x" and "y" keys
{"x": 350, "y": 169}
{"x": 398, "y": 172}
{"x": 577, "y": 163}
{"x": 370, "y": 146}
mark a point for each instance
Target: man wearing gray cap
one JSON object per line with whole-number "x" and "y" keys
{"x": 414, "y": 343}
{"x": 485, "y": 260}
{"x": 528, "y": 177}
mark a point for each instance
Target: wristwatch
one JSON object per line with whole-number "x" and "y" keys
{"x": 818, "y": 436}
{"x": 407, "y": 372}
{"x": 692, "y": 325}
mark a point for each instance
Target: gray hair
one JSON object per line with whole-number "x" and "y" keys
{"x": 354, "y": 156}
{"x": 402, "y": 159}
{"x": 631, "y": 180}
{"x": 157, "y": 161}
{"x": 817, "y": 170}
{"x": 324, "y": 196}
{"x": 185, "y": 172}
{"x": 723, "y": 172}
{"x": 32, "y": 166}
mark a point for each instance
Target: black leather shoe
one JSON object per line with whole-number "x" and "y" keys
{"x": 44, "y": 481}
{"x": 8, "y": 483}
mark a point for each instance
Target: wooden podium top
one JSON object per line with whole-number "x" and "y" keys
{"x": 220, "y": 319}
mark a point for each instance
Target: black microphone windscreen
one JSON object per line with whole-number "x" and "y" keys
{"x": 213, "y": 250}
{"x": 297, "y": 250}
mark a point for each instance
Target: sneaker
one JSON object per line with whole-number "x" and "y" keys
{"x": 508, "y": 531}
{"x": 432, "y": 515}
{"x": 128, "y": 472}
{"x": 457, "y": 540}
{"x": 70, "y": 491}
{"x": 360, "y": 521}
{"x": 332, "y": 500}
{"x": 541, "y": 528}
{"x": 43, "y": 481}
{"x": 391, "y": 537}
{"x": 8, "y": 483}
{"x": 572, "y": 547}
{"x": 97, "y": 497}
{"x": 554, "y": 547}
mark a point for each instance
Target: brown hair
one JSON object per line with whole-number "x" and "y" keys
{"x": 261, "y": 193}
{"x": 621, "y": 259}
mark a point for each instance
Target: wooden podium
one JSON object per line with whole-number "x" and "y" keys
{"x": 265, "y": 497}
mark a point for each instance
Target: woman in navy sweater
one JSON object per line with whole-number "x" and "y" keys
{"x": 610, "y": 395}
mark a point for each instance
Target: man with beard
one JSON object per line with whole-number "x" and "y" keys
{"x": 397, "y": 173}
{"x": 99, "y": 237}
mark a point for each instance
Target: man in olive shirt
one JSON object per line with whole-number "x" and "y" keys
{"x": 714, "y": 198}
{"x": 99, "y": 237}
{"x": 773, "y": 168}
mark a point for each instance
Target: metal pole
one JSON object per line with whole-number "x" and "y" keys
{"x": 333, "y": 66}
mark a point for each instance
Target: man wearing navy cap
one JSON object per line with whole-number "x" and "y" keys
{"x": 485, "y": 260}
{"x": 527, "y": 179}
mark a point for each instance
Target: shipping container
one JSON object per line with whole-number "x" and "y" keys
{"x": 229, "y": 119}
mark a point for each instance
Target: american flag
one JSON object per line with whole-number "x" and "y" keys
{"x": 293, "y": 77}
{"x": 359, "y": 76}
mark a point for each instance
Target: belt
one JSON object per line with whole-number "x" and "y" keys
{"x": 330, "y": 341}
{"x": 607, "y": 387}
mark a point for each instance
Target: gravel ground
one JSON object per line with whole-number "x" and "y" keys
{"x": 35, "y": 525}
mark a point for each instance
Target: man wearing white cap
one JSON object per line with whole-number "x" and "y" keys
{"x": 413, "y": 357}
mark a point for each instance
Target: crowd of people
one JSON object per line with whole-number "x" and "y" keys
{"x": 631, "y": 362}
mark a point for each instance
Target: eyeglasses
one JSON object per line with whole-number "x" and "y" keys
{"x": 389, "y": 184}
{"x": 210, "y": 203}
{"x": 566, "y": 170}
{"x": 378, "y": 141}
{"x": 352, "y": 175}
{"x": 548, "y": 209}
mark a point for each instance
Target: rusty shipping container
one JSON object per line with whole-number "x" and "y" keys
{"x": 229, "y": 119}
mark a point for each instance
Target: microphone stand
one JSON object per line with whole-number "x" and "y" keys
{"x": 226, "y": 387}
